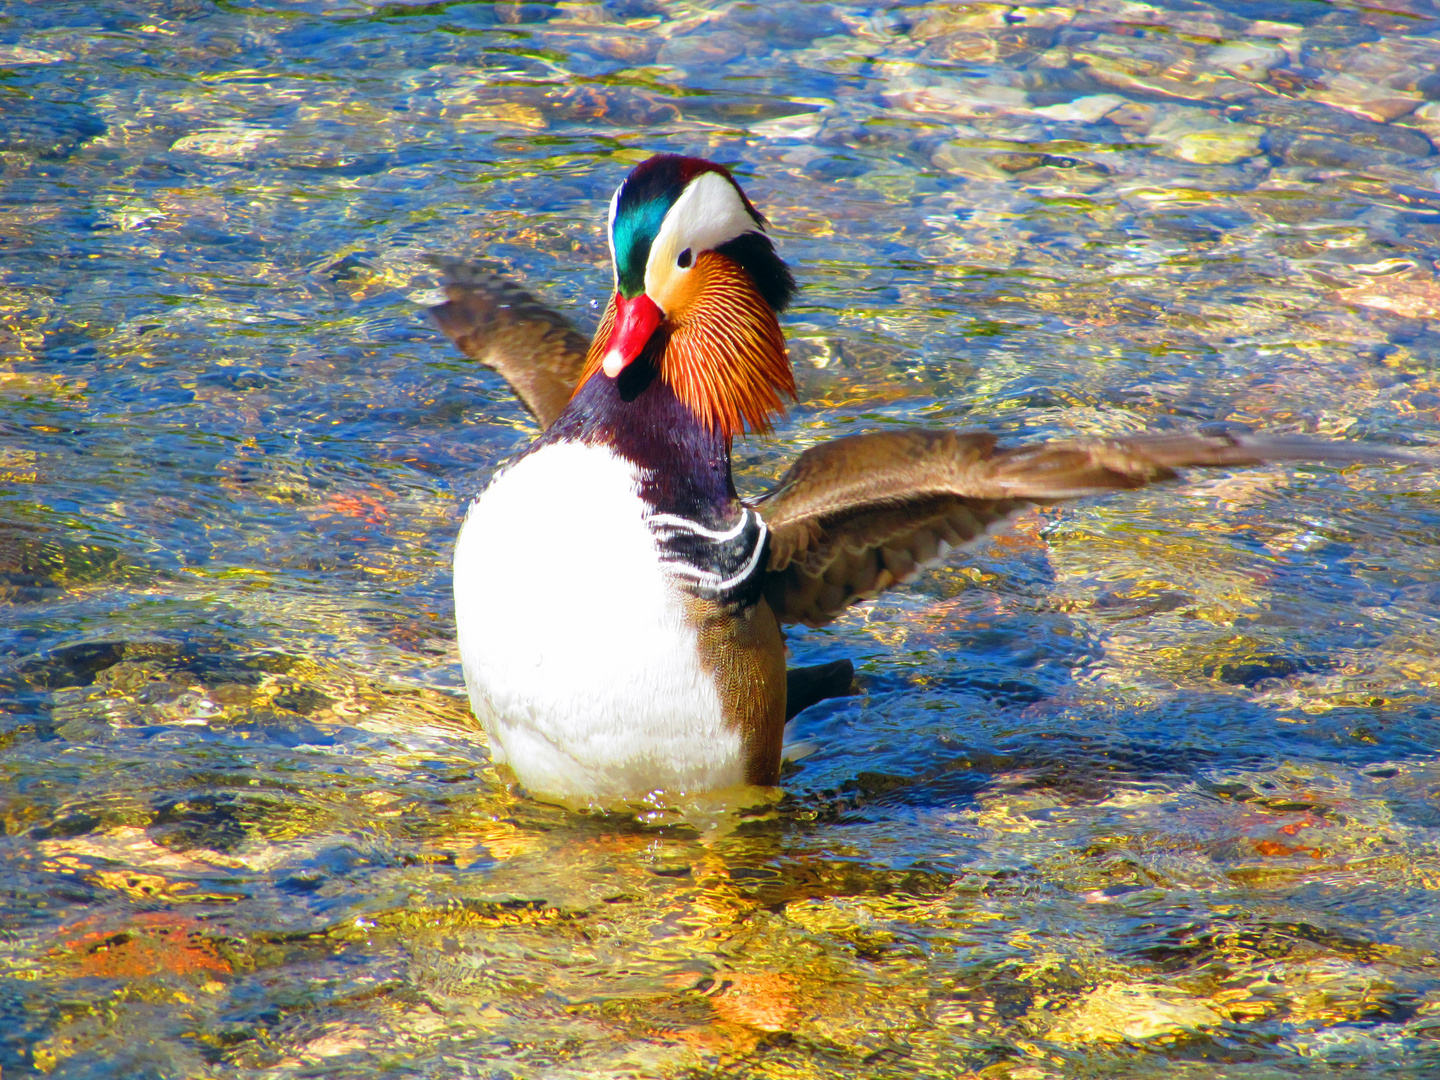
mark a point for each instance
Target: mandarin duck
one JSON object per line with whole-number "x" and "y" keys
{"x": 640, "y": 653}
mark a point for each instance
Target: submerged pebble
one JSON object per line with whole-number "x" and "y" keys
{"x": 1199, "y": 136}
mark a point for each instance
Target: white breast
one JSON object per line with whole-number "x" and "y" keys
{"x": 577, "y": 655}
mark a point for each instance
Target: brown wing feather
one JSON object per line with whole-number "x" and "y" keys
{"x": 854, "y": 516}
{"x": 499, "y": 324}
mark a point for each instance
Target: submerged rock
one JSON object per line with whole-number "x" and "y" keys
{"x": 237, "y": 143}
{"x": 718, "y": 47}
{"x": 1310, "y": 133}
{"x": 1118, "y": 1012}
{"x": 1373, "y": 101}
{"x": 16, "y": 55}
{"x": 1427, "y": 120}
{"x": 1012, "y": 45}
{"x": 1084, "y": 110}
{"x": 967, "y": 161}
{"x": 1167, "y": 68}
{"x": 938, "y": 20}
{"x": 1251, "y": 62}
{"x": 1199, "y": 136}
{"x": 1325, "y": 152}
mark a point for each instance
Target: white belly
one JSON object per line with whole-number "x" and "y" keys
{"x": 577, "y": 655}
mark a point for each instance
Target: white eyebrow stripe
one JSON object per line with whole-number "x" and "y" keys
{"x": 610, "y": 230}
{"x": 707, "y": 214}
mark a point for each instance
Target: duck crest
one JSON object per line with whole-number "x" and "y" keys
{"x": 641, "y": 204}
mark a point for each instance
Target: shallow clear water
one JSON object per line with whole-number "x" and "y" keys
{"x": 1147, "y": 788}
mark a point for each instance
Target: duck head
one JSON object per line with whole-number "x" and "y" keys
{"x": 698, "y": 288}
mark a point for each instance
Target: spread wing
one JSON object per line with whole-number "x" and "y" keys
{"x": 852, "y": 517}
{"x": 502, "y": 326}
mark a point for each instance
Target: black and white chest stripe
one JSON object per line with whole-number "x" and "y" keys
{"x": 722, "y": 565}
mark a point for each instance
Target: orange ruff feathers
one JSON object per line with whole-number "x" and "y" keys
{"x": 725, "y": 356}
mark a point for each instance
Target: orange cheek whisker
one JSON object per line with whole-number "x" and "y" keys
{"x": 725, "y": 358}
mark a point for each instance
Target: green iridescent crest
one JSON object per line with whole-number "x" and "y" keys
{"x": 634, "y": 231}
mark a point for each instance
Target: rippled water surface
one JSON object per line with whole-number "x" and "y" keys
{"x": 1147, "y": 788}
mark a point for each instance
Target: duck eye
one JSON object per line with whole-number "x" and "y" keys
{"x": 685, "y": 259}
